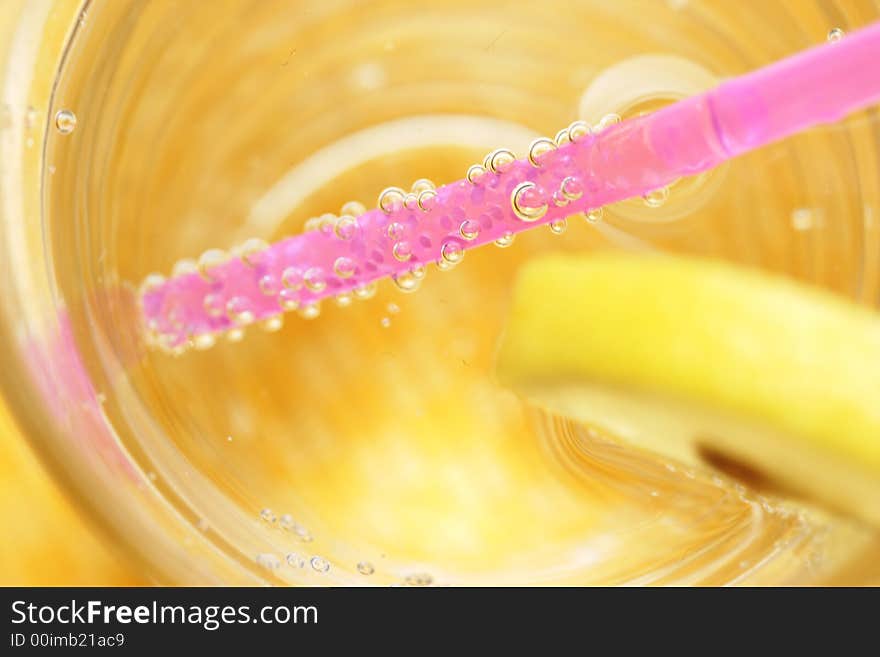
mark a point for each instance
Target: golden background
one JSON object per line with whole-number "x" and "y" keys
{"x": 47, "y": 543}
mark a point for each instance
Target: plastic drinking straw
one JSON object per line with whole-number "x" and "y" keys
{"x": 577, "y": 172}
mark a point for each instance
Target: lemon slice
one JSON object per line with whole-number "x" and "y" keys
{"x": 706, "y": 363}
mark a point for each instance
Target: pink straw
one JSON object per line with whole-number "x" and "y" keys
{"x": 578, "y": 172}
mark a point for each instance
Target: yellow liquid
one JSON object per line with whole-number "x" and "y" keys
{"x": 374, "y": 437}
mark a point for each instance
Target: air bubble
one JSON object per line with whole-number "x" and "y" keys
{"x": 391, "y": 199}
{"x": 558, "y": 226}
{"x": 239, "y": 310}
{"x": 499, "y": 160}
{"x": 393, "y": 308}
{"x": 314, "y": 280}
{"x": 65, "y": 121}
{"x": 452, "y": 253}
{"x": 469, "y": 229}
{"x": 365, "y": 568}
{"x": 291, "y": 278}
{"x": 526, "y": 201}
{"x": 607, "y": 121}
{"x": 835, "y": 34}
{"x": 595, "y": 215}
{"x": 578, "y": 130}
{"x": 344, "y": 299}
{"x": 302, "y": 533}
{"x": 571, "y": 188}
{"x": 267, "y": 516}
{"x": 310, "y": 311}
{"x": 427, "y": 200}
{"x": 152, "y": 283}
{"x": 385, "y": 322}
{"x": 268, "y": 285}
{"x": 411, "y": 202}
{"x": 327, "y": 222}
{"x": 204, "y": 341}
{"x": 209, "y": 260}
{"x": 344, "y": 267}
{"x": 803, "y": 219}
{"x": 419, "y": 579}
{"x": 184, "y": 267}
{"x": 562, "y": 137}
{"x": 364, "y": 292}
{"x": 288, "y": 299}
{"x": 656, "y": 198}
{"x": 235, "y": 335}
{"x": 213, "y": 305}
{"x": 272, "y": 324}
{"x": 396, "y": 230}
{"x": 352, "y": 208}
{"x": 31, "y": 116}
{"x": 319, "y": 564}
{"x": 295, "y": 561}
{"x": 402, "y": 251}
{"x": 423, "y": 185}
{"x": 539, "y": 148}
{"x": 250, "y": 248}
{"x": 286, "y": 522}
{"x": 406, "y": 281}
{"x": 505, "y": 240}
{"x": 268, "y": 561}
{"x": 179, "y": 349}
{"x": 474, "y": 173}
{"x": 346, "y": 227}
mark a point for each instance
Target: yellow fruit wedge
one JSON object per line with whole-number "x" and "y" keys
{"x": 709, "y": 364}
